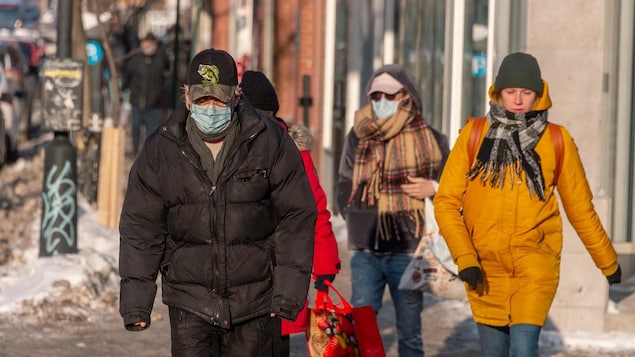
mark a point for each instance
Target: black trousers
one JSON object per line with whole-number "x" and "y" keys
{"x": 194, "y": 337}
{"x": 281, "y": 345}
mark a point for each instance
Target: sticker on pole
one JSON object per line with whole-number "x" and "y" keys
{"x": 94, "y": 52}
{"x": 62, "y": 82}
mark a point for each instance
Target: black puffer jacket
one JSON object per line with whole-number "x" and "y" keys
{"x": 146, "y": 77}
{"x": 227, "y": 253}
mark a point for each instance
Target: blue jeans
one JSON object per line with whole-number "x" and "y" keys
{"x": 370, "y": 272}
{"x": 150, "y": 118}
{"x": 498, "y": 341}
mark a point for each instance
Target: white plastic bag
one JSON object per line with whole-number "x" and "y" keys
{"x": 437, "y": 244}
{"x": 432, "y": 268}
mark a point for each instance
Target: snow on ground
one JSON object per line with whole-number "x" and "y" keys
{"x": 63, "y": 286}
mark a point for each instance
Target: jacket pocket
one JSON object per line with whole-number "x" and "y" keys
{"x": 545, "y": 244}
{"x": 249, "y": 185}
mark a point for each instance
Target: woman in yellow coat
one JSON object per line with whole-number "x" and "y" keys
{"x": 499, "y": 214}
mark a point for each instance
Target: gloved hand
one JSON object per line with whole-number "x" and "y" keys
{"x": 319, "y": 281}
{"x": 616, "y": 277}
{"x": 472, "y": 276}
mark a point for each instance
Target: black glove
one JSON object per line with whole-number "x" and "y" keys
{"x": 319, "y": 281}
{"x": 616, "y": 277}
{"x": 472, "y": 276}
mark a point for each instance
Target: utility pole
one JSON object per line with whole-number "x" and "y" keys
{"x": 176, "y": 53}
{"x": 61, "y": 100}
{"x": 306, "y": 100}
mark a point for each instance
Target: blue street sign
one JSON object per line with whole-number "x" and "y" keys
{"x": 479, "y": 65}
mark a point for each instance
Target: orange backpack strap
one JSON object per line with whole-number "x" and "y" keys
{"x": 558, "y": 145}
{"x": 475, "y": 137}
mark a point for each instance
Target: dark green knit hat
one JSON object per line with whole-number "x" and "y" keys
{"x": 519, "y": 70}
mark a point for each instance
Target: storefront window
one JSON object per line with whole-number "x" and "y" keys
{"x": 475, "y": 59}
{"x": 618, "y": 179}
{"x": 420, "y": 47}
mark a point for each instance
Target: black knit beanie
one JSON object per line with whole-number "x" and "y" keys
{"x": 519, "y": 70}
{"x": 259, "y": 91}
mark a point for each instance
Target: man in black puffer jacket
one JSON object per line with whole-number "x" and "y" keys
{"x": 218, "y": 202}
{"x": 144, "y": 76}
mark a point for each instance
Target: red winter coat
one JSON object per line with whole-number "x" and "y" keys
{"x": 326, "y": 259}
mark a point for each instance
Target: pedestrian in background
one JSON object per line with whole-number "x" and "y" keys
{"x": 219, "y": 203}
{"x": 259, "y": 91}
{"x": 389, "y": 165}
{"x": 144, "y": 76}
{"x": 500, "y": 215}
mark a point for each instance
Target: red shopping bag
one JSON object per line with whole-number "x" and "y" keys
{"x": 340, "y": 330}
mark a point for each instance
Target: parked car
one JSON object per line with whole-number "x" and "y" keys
{"x": 9, "y": 123}
{"x": 32, "y": 45}
{"x": 22, "y": 85}
{"x": 19, "y": 13}
{"x": 34, "y": 50}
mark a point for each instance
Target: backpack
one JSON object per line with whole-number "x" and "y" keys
{"x": 554, "y": 129}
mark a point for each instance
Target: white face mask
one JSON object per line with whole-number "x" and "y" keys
{"x": 385, "y": 108}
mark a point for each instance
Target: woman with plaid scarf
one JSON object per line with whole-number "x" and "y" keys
{"x": 500, "y": 216}
{"x": 390, "y": 163}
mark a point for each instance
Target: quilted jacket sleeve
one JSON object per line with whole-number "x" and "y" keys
{"x": 577, "y": 201}
{"x": 448, "y": 203}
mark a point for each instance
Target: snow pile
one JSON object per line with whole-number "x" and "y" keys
{"x": 59, "y": 288}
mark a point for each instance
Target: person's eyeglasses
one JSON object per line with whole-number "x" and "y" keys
{"x": 377, "y": 96}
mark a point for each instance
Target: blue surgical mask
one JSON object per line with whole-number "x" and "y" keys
{"x": 211, "y": 119}
{"x": 385, "y": 108}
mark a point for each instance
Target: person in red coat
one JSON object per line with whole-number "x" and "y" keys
{"x": 259, "y": 91}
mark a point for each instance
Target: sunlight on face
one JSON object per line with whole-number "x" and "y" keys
{"x": 518, "y": 100}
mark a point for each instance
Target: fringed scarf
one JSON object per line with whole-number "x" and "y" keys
{"x": 388, "y": 152}
{"x": 509, "y": 146}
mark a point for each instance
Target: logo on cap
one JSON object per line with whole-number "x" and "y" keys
{"x": 209, "y": 73}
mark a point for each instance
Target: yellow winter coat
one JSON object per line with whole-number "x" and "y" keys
{"x": 516, "y": 240}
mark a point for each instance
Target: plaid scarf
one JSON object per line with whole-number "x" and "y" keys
{"x": 509, "y": 146}
{"x": 388, "y": 152}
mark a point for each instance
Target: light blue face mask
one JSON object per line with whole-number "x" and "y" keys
{"x": 211, "y": 119}
{"x": 385, "y": 108}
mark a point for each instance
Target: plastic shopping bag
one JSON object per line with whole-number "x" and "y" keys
{"x": 432, "y": 268}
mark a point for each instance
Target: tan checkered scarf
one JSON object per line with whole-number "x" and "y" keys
{"x": 388, "y": 152}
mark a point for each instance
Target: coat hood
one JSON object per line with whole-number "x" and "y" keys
{"x": 302, "y": 137}
{"x": 543, "y": 102}
{"x": 401, "y": 74}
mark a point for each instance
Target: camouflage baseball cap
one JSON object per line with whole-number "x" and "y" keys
{"x": 212, "y": 73}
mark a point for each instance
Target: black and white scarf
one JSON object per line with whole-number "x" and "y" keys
{"x": 509, "y": 145}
